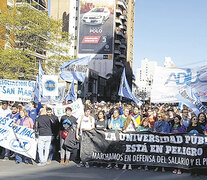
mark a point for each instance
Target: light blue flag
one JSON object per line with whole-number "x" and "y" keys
{"x": 75, "y": 69}
{"x": 191, "y": 100}
{"x": 125, "y": 91}
{"x": 71, "y": 93}
{"x": 38, "y": 90}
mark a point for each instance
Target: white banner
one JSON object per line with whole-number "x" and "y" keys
{"x": 16, "y": 90}
{"x": 168, "y": 81}
{"x": 77, "y": 108}
{"x": 18, "y": 139}
{"x": 50, "y": 85}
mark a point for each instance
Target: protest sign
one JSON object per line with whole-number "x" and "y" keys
{"x": 168, "y": 81}
{"x": 16, "y": 90}
{"x": 50, "y": 85}
{"x": 17, "y": 138}
{"x": 167, "y": 150}
{"x": 77, "y": 108}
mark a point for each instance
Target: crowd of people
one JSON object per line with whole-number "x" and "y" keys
{"x": 60, "y": 137}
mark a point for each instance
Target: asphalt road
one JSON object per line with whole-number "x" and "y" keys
{"x": 11, "y": 171}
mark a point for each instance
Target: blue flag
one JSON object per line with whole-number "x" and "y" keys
{"x": 71, "y": 93}
{"x": 190, "y": 99}
{"x": 75, "y": 69}
{"x": 125, "y": 91}
{"x": 38, "y": 91}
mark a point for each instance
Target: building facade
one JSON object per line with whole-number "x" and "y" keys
{"x": 144, "y": 79}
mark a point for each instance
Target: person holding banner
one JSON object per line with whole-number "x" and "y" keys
{"x": 15, "y": 116}
{"x": 177, "y": 127}
{"x": 115, "y": 123}
{"x": 163, "y": 127}
{"x": 144, "y": 126}
{"x": 136, "y": 114}
{"x": 185, "y": 118}
{"x": 85, "y": 123}
{"x": 194, "y": 126}
{"x": 130, "y": 125}
{"x": 202, "y": 119}
{"x": 25, "y": 121}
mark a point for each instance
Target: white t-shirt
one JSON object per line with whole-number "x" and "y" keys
{"x": 85, "y": 122}
{"x": 4, "y": 113}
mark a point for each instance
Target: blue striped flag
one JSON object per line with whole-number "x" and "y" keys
{"x": 125, "y": 91}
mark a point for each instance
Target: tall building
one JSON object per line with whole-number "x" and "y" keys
{"x": 144, "y": 77}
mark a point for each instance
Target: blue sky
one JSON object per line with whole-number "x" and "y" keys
{"x": 175, "y": 28}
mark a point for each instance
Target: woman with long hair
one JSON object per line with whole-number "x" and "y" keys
{"x": 25, "y": 121}
{"x": 130, "y": 125}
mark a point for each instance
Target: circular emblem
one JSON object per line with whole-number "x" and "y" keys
{"x": 50, "y": 85}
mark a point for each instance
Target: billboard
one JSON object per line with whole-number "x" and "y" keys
{"x": 96, "y": 33}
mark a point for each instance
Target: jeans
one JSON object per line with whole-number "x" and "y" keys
{"x": 20, "y": 158}
{"x": 43, "y": 148}
{"x": 52, "y": 148}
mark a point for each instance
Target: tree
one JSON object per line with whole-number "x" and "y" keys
{"x": 29, "y": 35}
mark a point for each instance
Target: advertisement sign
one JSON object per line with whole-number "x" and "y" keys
{"x": 168, "y": 81}
{"x": 96, "y": 27}
{"x": 152, "y": 149}
{"x": 50, "y": 85}
{"x": 17, "y": 138}
{"x": 96, "y": 34}
{"x": 16, "y": 90}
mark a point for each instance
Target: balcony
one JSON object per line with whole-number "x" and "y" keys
{"x": 122, "y": 46}
{"x": 123, "y": 17}
{"x": 122, "y": 4}
{"x": 117, "y": 41}
{"x": 119, "y": 31}
{"x": 119, "y": 11}
{"x": 118, "y": 21}
{"x": 123, "y": 56}
{"x": 116, "y": 51}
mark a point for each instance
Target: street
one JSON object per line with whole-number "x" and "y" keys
{"x": 9, "y": 171}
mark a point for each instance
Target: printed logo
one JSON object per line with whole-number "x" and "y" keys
{"x": 50, "y": 85}
{"x": 20, "y": 145}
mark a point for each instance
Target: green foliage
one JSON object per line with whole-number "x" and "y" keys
{"x": 30, "y": 32}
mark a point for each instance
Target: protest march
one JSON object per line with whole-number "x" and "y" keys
{"x": 40, "y": 124}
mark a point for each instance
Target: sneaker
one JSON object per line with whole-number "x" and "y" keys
{"x": 130, "y": 167}
{"x": 175, "y": 171}
{"x": 41, "y": 164}
{"x": 139, "y": 168}
{"x": 116, "y": 166}
{"x": 179, "y": 172}
{"x": 80, "y": 164}
{"x": 146, "y": 168}
{"x": 5, "y": 158}
{"x": 87, "y": 165}
{"x": 124, "y": 167}
{"x": 108, "y": 166}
